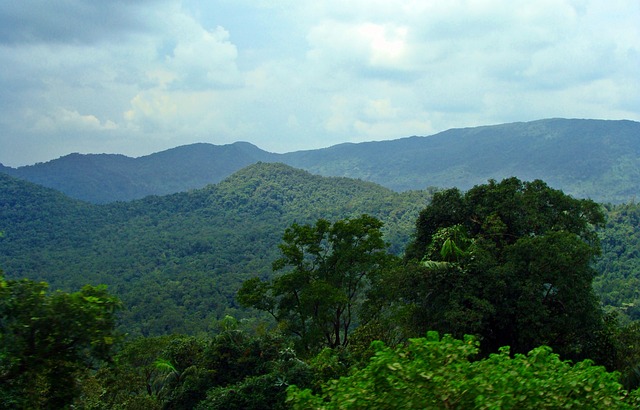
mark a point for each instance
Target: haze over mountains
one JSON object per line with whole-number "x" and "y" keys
{"x": 594, "y": 159}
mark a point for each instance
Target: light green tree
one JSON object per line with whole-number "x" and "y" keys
{"x": 434, "y": 373}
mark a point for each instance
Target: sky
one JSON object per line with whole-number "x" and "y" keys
{"x": 137, "y": 77}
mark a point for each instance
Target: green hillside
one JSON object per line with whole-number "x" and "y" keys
{"x": 177, "y": 261}
{"x": 585, "y": 158}
{"x": 103, "y": 178}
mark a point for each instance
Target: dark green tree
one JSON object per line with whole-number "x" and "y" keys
{"x": 330, "y": 267}
{"x": 137, "y": 378}
{"x": 49, "y": 340}
{"x": 509, "y": 262}
{"x": 619, "y": 284}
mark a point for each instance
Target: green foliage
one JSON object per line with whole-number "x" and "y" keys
{"x": 448, "y": 244}
{"x": 132, "y": 380}
{"x": 509, "y": 262}
{"x": 330, "y": 364}
{"x": 627, "y": 354}
{"x": 261, "y": 391}
{"x": 252, "y": 393}
{"x": 434, "y": 373}
{"x": 48, "y": 341}
{"x": 331, "y": 266}
{"x": 191, "y": 251}
{"x": 232, "y": 369}
{"x": 619, "y": 284}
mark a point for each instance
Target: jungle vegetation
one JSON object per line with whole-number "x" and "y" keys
{"x": 229, "y": 296}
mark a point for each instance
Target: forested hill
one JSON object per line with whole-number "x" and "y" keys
{"x": 585, "y": 158}
{"x": 102, "y": 178}
{"x": 176, "y": 261}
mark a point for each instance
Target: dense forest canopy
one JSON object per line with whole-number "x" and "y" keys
{"x": 511, "y": 261}
{"x": 338, "y": 263}
{"x": 619, "y": 266}
{"x": 188, "y": 251}
{"x": 192, "y": 250}
{"x": 336, "y": 288}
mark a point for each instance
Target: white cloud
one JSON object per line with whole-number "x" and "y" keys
{"x": 358, "y": 48}
{"x": 342, "y": 115}
{"x": 201, "y": 58}
{"x": 380, "y": 108}
{"x": 63, "y": 120}
{"x": 304, "y": 74}
{"x": 152, "y": 106}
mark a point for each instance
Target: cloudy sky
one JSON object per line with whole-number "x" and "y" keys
{"x": 136, "y": 77}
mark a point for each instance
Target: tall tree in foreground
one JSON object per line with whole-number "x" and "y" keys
{"x": 48, "y": 341}
{"x": 509, "y": 262}
{"x": 329, "y": 267}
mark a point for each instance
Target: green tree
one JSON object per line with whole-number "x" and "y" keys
{"x": 331, "y": 265}
{"x": 133, "y": 380}
{"x": 509, "y": 262}
{"x": 434, "y": 373}
{"x": 619, "y": 284}
{"x": 48, "y": 341}
{"x": 264, "y": 389}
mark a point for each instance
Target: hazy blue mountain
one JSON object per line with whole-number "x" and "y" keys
{"x": 103, "y": 178}
{"x": 586, "y": 158}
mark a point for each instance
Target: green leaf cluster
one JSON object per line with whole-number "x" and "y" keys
{"x": 330, "y": 267}
{"x": 233, "y": 369}
{"x": 49, "y": 340}
{"x": 441, "y": 373}
{"x": 510, "y": 262}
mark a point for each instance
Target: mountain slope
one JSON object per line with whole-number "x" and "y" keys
{"x": 103, "y": 178}
{"x": 585, "y": 158}
{"x": 176, "y": 261}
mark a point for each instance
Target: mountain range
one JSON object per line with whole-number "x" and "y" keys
{"x": 594, "y": 159}
{"x": 176, "y": 260}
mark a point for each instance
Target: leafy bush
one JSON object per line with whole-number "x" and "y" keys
{"x": 434, "y": 373}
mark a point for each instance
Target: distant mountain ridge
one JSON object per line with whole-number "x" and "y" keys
{"x": 596, "y": 159}
{"x": 104, "y": 178}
